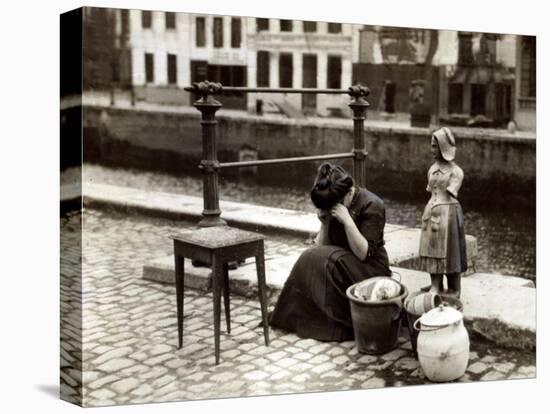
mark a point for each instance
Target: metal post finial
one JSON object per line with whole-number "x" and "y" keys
{"x": 359, "y": 92}
{"x": 206, "y": 90}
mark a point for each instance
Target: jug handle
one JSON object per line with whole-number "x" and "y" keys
{"x": 420, "y": 329}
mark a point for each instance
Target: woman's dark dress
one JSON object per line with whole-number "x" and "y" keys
{"x": 313, "y": 302}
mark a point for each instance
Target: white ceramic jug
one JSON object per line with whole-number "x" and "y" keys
{"x": 443, "y": 345}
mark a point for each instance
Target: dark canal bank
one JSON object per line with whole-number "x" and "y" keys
{"x": 506, "y": 236}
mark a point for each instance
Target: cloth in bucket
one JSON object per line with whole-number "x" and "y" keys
{"x": 377, "y": 290}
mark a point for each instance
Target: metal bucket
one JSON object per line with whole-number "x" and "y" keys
{"x": 376, "y": 324}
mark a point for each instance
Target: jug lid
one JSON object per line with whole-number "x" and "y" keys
{"x": 443, "y": 315}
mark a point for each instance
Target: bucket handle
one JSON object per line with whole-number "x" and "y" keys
{"x": 399, "y": 311}
{"x": 399, "y": 308}
{"x": 396, "y": 273}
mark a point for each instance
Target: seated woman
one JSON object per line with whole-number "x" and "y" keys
{"x": 349, "y": 248}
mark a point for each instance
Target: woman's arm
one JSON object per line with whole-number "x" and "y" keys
{"x": 322, "y": 238}
{"x": 357, "y": 243}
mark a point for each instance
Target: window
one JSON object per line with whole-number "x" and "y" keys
{"x": 455, "y": 98}
{"x": 199, "y": 72}
{"x": 286, "y": 25}
{"x": 309, "y": 80}
{"x": 389, "y": 97}
{"x": 285, "y": 70}
{"x": 170, "y": 19}
{"x": 262, "y": 25}
{"x": 310, "y": 27}
{"x": 262, "y": 68}
{"x": 309, "y": 71}
{"x": 334, "y": 72}
{"x": 335, "y": 27}
{"x": 149, "y": 68}
{"x": 477, "y": 105}
{"x": 228, "y": 75}
{"x": 200, "y": 35}
{"x": 146, "y": 19}
{"x": 235, "y": 32}
{"x": 124, "y": 22}
{"x": 218, "y": 32}
{"x": 503, "y": 100}
{"x": 115, "y": 70}
{"x": 528, "y": 75}
{"x": 465, "y": 51}
{"x": 172, "y": 69}
{"x": 490, "y": 47}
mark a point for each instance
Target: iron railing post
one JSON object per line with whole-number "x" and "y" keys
{"x": 359, "y": 107}
{"x": 209, "y": 165}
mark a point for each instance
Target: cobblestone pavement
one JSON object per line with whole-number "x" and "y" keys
{"x": 130, "y": 353}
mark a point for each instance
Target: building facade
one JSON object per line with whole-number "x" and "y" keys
{"x": 466, "y": 77}
{"x": 171, "y": 50}
{"x": 469, "y": 78}
{"x": 300, "y": 54}
{"x": 102, "y": 49}
{"x": 526, "y": 82}
{"x": 477, "y": 85}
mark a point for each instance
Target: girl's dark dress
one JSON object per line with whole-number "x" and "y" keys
{"x": 313, "y": 302}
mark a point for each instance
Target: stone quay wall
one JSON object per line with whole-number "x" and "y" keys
{"x": 498, "y": 167}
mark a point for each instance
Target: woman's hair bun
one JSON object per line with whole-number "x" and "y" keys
{"x": 324, "y": 170}
{"x": 331, "y": 185}
{"x": 322, "y": 184}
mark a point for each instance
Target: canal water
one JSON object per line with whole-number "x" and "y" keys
{"x": 506, "y": 237}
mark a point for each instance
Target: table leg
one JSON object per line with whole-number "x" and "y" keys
{"x": 226, "y": 303}
{"x": 217, "y": 276}
{"x": 260, "y": 270}
{"x": 179, "y": 295}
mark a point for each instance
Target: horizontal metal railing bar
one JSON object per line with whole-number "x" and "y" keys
{"x": 245, "y": 89}
{"x": 256, "y": 163}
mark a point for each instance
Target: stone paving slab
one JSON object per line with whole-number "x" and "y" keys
{"x": 162, "y": 270}
{"x": 401, "y": 242}
{"x": 127, "y": 350}
{"x": 242, "y": 280}
{"x": 70, "y": 192}
{"x": 501, "y": 308}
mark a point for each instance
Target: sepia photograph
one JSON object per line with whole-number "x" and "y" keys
{"x": 260, "y": 206}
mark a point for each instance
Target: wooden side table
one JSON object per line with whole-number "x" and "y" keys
{"x": 215, "y": 247}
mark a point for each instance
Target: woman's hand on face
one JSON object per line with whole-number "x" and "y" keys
{"x": 341, "y": 213}
{"x": 323, "y": 216}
